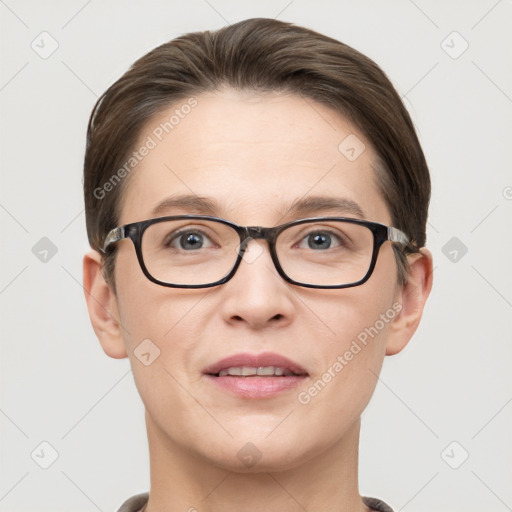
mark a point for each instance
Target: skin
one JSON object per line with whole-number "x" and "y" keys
{"x": 254, "y": 154}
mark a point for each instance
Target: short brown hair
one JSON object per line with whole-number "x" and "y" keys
{"x": 263, "y": 55}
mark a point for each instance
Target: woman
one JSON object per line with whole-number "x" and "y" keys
{"x": 275, "y": 196}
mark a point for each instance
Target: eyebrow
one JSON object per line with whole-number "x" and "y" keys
{"x": 313, "y": 204}
{"x": 190, "y": 202}
{"x": 309, "y": 205}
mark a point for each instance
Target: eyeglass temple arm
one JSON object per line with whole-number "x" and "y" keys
{"x": 395, "y": 235}
{"x": 114, "y": 236}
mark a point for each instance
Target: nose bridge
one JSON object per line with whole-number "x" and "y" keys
{"x": 257, "y": 232}
{"x": 256, "y": 294}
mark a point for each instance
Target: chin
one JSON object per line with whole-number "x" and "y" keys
{"x": 260, "y": 455}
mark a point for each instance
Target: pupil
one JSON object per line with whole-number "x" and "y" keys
{"x": 190, "y": 241}
{"x": 319, "y": 241}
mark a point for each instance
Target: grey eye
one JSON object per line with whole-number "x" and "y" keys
{"x": 319, "y": 241}
{"x": 191, "y": 241}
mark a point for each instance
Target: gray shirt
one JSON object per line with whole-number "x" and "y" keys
{"x": 138, "y": 504}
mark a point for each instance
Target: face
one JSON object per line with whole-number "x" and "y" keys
{"x": 253, "y": 156}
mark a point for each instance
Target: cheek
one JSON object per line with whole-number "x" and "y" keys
{"x": 147, "y": 310}
{"x": 340, "y": 316}
{"x": 341, "y": 390}
{"x": 161, "y": 346}
{"x": 353, "y": 348}
{"x": 158, "y": 330}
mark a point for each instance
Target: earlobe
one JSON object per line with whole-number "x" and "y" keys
{"x": 102, "y": 306}
{"x": 413, "y": 296}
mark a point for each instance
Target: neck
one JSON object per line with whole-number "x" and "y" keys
{"x": 183, "y": 480}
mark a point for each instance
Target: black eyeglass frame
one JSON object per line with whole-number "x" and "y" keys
{"x": 135, "y": 231}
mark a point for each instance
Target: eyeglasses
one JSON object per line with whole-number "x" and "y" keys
{"x": 195, "y": 251}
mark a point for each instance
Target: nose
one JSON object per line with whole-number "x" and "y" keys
{"x": 257, "y": 296}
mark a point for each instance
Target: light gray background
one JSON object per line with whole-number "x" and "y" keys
{"x": 453, "y": 381}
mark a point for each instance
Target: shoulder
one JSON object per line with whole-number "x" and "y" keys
{"x": 376, "y": 504}
{"x": 135, "y": 503}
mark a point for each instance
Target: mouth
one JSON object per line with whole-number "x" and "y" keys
{"x": 261, "y": 371}
{"x": 256, "y": 375}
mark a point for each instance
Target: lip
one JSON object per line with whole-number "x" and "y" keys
{"x": 254, "y": 360}
{"x": 255, "y": 386}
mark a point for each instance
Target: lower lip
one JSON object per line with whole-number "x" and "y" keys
{"x": 255, "y": 386}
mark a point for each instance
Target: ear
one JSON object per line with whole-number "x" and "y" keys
{"x": 412, "y": 296}
{"x": 102, "y": 306}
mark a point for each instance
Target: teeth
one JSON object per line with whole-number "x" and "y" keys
{"x": 266, "y": 370}
{"x": 245, "y": 371}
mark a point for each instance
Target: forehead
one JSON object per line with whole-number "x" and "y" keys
{"x": 252, "y": 154}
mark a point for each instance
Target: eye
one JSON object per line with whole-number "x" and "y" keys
{"x": 188, "y": 240}
{"x": 320, "y": 240}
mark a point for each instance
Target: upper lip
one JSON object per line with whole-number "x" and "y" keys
{"x": 254, "y": 361}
